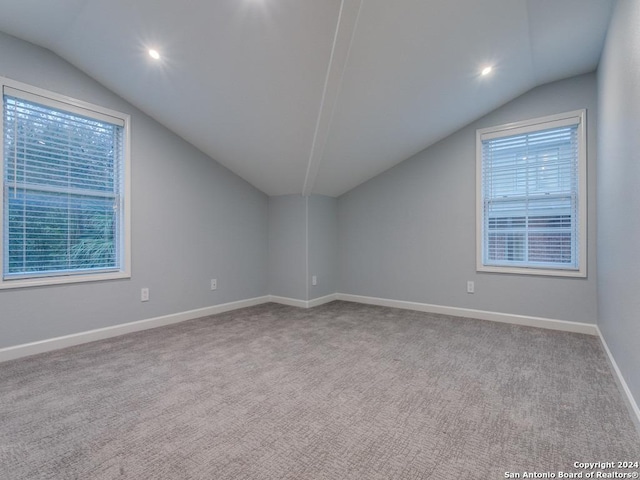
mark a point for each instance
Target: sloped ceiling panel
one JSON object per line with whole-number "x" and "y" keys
{"x": 251, "y": 82}
{"x": 414, "y": 77}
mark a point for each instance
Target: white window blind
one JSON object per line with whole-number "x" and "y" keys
{"x": 62, "y": 188}
{"x": 531, "y": 196}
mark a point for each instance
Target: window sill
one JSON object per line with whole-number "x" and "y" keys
{"x": 533, "y": 271}
{"x": 62, "y": 280}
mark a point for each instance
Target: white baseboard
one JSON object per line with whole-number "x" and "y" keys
{"x": 18, "y": 351}
{"x": 294, "y": 302}
{"x": 316, "y": 302}
{"x": 631, "y": 402}
{"x": 524, "y": 320}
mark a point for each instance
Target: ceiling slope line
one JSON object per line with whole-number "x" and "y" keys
{"x": 530, "y": 41}
{"x": 340, "y": 50}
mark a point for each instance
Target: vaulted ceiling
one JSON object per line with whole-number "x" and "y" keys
{"x": 316, "y": 96}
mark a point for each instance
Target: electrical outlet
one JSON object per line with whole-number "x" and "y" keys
{"x": 144, "y": 295}
{"x": 214, "y": 284}
{"x": 471, "y": 287}
{"x": 314, "y": 280}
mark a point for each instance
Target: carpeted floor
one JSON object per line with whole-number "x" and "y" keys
{"x": 341, "y": 391}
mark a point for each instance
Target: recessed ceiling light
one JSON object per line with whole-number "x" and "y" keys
{"x": 154, "y": 54}
{"x": 486, "y": 70}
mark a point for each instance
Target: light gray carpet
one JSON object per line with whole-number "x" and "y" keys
{"x": 341, "y": 391}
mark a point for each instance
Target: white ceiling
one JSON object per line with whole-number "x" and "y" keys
{"x": 316, "y": 96}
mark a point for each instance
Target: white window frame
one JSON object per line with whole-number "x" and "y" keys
{"x": 529, "y": 126}
{"x": 72, "y": 105}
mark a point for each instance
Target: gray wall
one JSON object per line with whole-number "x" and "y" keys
{"x": 323, "y": 245}
{"x": 192, "y": 220}
{"x": 619, "y": 193}
{"x": 288, "y": 246}
{"x": 303, "y": 241}
{"x": 409, "y": 233}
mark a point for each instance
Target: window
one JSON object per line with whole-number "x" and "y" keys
{"x": 65, "y": 213}
{"x": 531, "y": 189}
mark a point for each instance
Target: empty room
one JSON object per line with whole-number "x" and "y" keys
{"x": 320, "y": 239}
